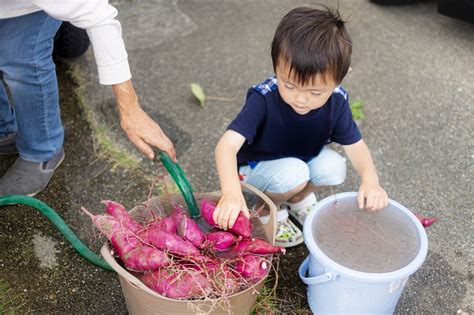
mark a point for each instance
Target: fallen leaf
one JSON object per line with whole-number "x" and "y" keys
{"x": 198, "y": 92}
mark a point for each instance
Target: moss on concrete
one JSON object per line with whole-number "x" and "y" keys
{"x": 104, "y": 143}
{"x": 9, "y": 303}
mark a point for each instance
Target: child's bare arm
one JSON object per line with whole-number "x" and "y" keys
{"x": 371, "y": 194}
{"x": 232, "y": 200}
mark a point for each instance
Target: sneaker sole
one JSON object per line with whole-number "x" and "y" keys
{"x": 292, "y": 244}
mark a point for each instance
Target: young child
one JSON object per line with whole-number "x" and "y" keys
{"x": 278, "y": 142}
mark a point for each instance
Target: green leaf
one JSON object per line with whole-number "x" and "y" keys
{"x": 198, "y": 93}
{"x": 356, "y": 109}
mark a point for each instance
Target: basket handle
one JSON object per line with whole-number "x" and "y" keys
{"x": 105, "y": 252}
{"x": 269, "y": 228}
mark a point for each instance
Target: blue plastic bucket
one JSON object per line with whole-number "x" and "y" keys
{"x": 334, "y": 288}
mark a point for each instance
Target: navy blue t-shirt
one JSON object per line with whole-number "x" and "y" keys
{"x": 273, "y": 130}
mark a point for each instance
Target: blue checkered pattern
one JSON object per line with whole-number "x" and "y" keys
{"x": 340, "y": 90}
{"x": 266, "y": 86}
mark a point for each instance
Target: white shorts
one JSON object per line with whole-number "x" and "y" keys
{"x": 282, "y": 175}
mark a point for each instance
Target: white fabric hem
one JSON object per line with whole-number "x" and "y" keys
{"x": 115, "y": 73}
{"x": 19, "y": 12}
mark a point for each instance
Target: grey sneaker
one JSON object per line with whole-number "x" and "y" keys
{"x": 7, "y": 144}
{"x": 29, "y": 178}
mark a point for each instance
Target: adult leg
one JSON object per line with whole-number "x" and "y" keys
{"x": 8, "y": 128}
{"x": 29, "y": 72}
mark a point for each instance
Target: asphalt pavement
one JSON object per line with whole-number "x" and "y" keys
{"x": 412, "y": 68}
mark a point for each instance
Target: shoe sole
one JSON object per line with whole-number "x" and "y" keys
{"x": 37, "y": 192}
{"x": 292, "y": 244}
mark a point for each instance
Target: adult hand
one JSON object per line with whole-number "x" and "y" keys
{"x": 142, "y": 131}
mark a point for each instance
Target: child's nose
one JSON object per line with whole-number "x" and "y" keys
{"x": 301, "y": 99}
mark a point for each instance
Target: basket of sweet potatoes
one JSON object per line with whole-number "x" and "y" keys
{"x": 168, "y": 263}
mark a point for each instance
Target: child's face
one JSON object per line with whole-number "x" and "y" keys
{"x": 303, "y": 98}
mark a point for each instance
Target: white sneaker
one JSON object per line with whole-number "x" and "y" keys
{"x": 300, "y": 210}
{"x": 288, "y": 234}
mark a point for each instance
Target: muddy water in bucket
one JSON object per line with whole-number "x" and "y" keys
{"x": 374, "y": 242}
{"x": 359, "y": 261}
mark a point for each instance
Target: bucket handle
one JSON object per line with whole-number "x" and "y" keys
{"x": 302, "y": 270}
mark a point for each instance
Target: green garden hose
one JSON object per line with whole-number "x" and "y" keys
{"x": 52, "y": 215}
{"x": 173, "y": 168}
{"x": 183, "y": 184}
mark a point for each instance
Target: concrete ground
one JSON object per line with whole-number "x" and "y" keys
{"x": 411, "y": 66}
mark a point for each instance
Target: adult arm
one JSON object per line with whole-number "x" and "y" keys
{"x": 97, "y": 17}
{"x": 142, "y": 131}
{"x": 371, "y": 195}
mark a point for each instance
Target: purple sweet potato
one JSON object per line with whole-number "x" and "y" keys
{"x": 122, "y": 239}
{"x": 145, "y": 258}
{"x": 242, "y": 225}
{"x": 220, "y": 241}
{"x": 169, "y": 242}
{"x": 425, "y": 221}
{"x": 189, "y": 230}
{"x": 167, "y": 224}
{"x": 119, "y": 212}
{"x": 171, "y": 222}
{"x": 127, "y": 245}
{"x": 252, "y": 267}
{"x": 180, "y": 284}
{"x": 257, "y": 246}
{"x": 224, "y": 280}
{"x": 177, "y": 214}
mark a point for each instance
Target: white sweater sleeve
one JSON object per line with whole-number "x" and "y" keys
{"x": 105, "y": 33}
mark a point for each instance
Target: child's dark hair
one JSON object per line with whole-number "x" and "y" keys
{"x": 312, "y": 41}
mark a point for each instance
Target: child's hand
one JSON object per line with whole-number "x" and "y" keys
{"x": 228, "y": 210}
{"x": 371, "y": 196}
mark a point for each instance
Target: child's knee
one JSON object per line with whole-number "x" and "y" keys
{"x": 293, "y": 175}
{"x": 331, "y": 171}
{"x": 297, "y": 189}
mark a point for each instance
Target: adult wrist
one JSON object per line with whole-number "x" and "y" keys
{"x": 125, "y": 96}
